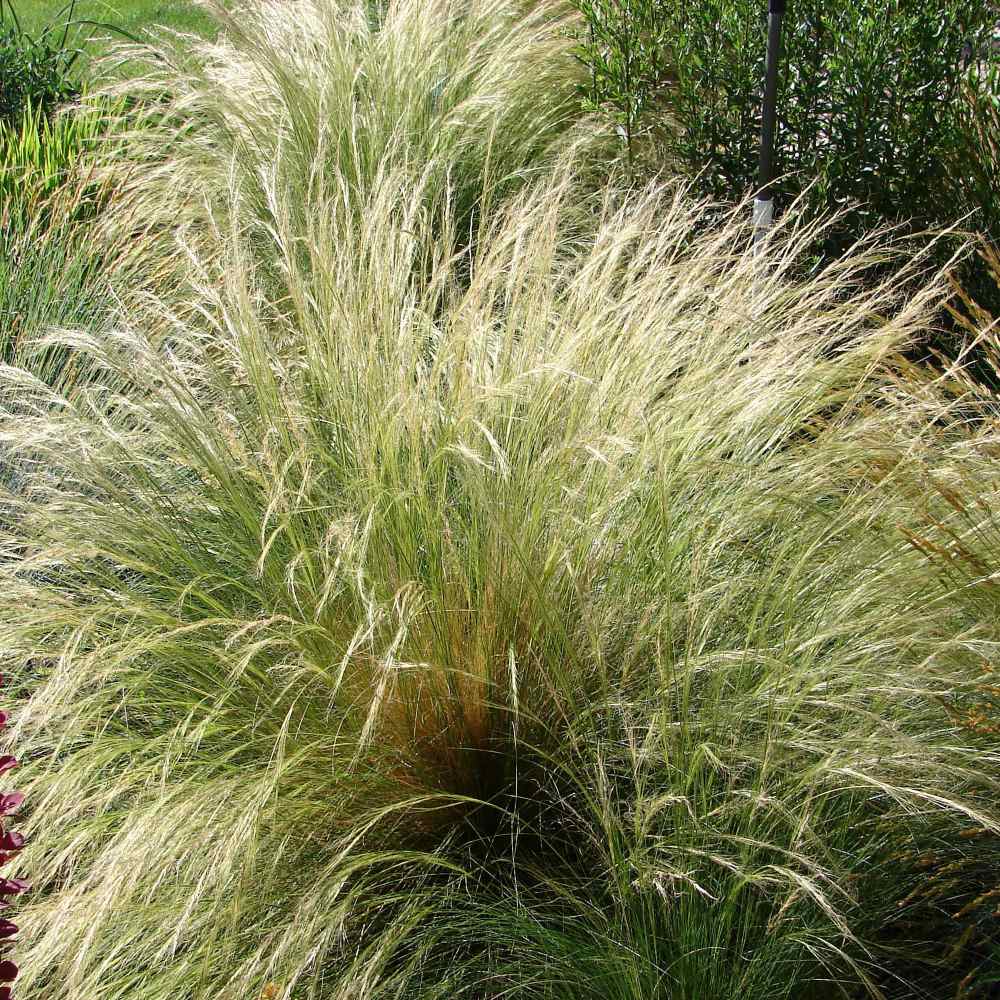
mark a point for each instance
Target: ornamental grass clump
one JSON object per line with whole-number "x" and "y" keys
{"x": 342, "y": 102}
{"x": 544, "y": 628}
{"x": 527, "y": 615}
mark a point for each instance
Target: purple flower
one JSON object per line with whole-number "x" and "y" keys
{"x": 7, "y": 929}
{"x": 12, "y": 887}
{"x": 8, "y": 971}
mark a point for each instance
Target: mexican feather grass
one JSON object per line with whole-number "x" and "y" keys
{"x": 466, "y": 603}
{"x": 338, "y": 103}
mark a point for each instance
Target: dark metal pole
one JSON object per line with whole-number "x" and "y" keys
{"x": 763, "y": 206}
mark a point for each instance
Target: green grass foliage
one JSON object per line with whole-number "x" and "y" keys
{"x": 887, "y": 112}
{"x": 38, "y": 153}
{"x": 103, "y": 21}
{"x": 51, "y": 264}
{"x": 67, "y": 239}
{"x": 488, "y": 588}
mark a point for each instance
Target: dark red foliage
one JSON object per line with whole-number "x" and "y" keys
{"x": 10, "y": 843}
{"x": 10, "y": 803}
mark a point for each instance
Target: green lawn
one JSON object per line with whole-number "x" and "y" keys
{"x": 133, "y": 16}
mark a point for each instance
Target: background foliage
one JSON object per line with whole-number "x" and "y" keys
{"x": 887, "y": 111}
{"x": 36, "y": 68}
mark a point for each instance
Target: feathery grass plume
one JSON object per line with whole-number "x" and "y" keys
{"x": 955, "y": 528}
{"x": 527, "y": 622}
{"x": 334, "y": 101}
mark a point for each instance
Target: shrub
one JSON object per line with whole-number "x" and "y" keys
{"x": 870, "y": 109}
{"x": 625, "y": 51}
{"x": 973, "y": 169}
{"x": 34, "y": 70}
{"x": 975, "y": 165}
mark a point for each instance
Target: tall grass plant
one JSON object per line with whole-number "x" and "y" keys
{"x": 493, "y": 588}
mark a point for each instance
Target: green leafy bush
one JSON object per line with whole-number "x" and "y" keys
{"x": 973, "y": 170}
{"x": 625, "y": 51}
{"x": 871, "y": 105}
{"x": 35, "y": 70}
